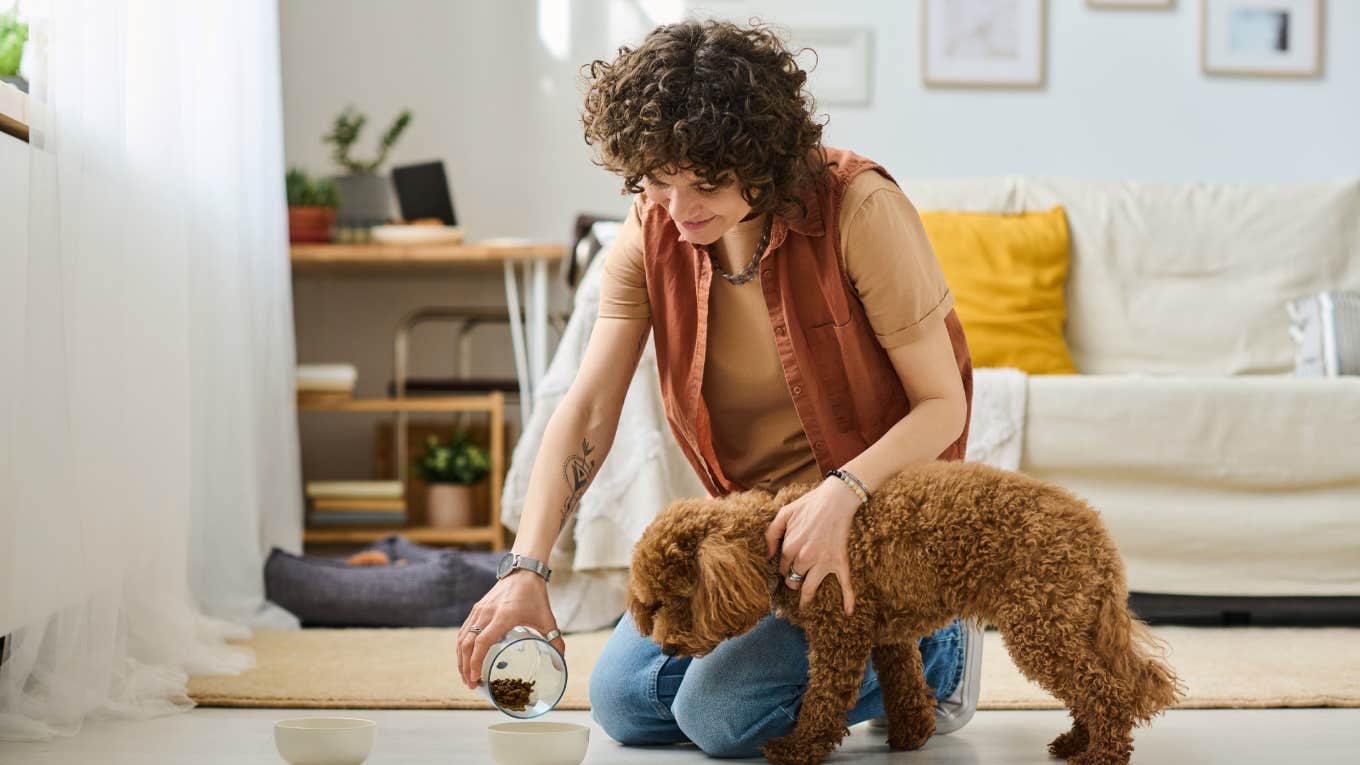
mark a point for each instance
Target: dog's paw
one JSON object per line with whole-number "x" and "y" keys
{"x": 1068, "y": 744}
{"x": 913, "y": 731}
{"x": 795, "y": 750}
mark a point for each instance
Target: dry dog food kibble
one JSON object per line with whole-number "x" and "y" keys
{"x": 512, "y": 693}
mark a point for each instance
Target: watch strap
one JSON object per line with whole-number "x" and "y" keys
{"x": 531, "y": 564}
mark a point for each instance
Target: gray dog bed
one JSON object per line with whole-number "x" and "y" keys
{"x": 436, "y": 587}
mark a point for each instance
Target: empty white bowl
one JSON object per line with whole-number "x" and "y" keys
{"x": 324, "y": 740}
{"x": 538, "y": 743}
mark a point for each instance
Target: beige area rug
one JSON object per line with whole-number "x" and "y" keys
{"x": 416, "y": 669}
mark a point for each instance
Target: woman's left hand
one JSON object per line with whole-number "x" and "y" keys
{"x": 815, "y": 529}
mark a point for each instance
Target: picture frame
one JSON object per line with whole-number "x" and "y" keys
{"x": 983, "y": 43}
{"x": 842, "y": 65}
{"x": 1256, "y": 38}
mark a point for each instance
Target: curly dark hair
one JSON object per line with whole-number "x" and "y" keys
{"x": 725, "y": 102}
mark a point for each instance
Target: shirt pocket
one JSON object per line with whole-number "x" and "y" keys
{"x": 860, "y": 382}
{"x": 826, "y": 351}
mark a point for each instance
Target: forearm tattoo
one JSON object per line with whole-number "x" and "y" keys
{"x": 576, "y": 470}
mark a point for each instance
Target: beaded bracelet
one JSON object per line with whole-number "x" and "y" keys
{"x": 854, "y": 483}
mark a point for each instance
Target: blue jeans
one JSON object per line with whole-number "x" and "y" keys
{"x": 735, "y": 699}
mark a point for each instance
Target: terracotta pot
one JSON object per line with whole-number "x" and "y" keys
{"x": 310, "y": 224}
{"x": 449, "y": 505}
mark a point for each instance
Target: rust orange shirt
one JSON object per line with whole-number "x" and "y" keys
{"x": 758, "y": 437}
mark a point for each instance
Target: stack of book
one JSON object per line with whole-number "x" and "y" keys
{"x": 325, "y": 383}
{"x": 355, "y": 503}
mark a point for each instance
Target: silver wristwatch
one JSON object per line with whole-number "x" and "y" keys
{"x": 511, "y": 561}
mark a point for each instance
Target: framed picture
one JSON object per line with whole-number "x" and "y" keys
{"x": 982, "y": 43}
{"x": 1130, "y": 3}
{"x": 842, "y": 63}
{"x": 1264, "y": 38}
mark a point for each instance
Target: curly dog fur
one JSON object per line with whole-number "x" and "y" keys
{"x": 937, "y": 541}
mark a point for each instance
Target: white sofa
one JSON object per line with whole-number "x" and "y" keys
{"x": 1217, "y": 471}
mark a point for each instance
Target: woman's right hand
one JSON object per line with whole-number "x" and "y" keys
{"x": 520, "y": 599}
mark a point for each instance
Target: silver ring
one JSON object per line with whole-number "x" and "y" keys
{"x": 795, "y": 577}
{"x": 552, "y": 635}
{"x": 474, "y": 629}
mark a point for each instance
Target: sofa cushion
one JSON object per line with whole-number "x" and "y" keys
{"x": 1007, "y": 273}
{"x": 1183, "y": 278}
{"x": 1211, "y": 486}
{"x": 1194, "y": 279}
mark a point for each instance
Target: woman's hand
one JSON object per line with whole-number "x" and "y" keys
{"x": 815, "y": 529}
{"x": 520, "y": 599}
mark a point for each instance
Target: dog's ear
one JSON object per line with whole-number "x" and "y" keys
{"x": 641, "y": 613}
{"x": 662, "y": 560}
{"x": 731, "y": 589}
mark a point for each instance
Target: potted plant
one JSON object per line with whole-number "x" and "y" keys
{"x": 13, "y": 35}
{"x": 451, "y": 470}
{"x": 311, "y": 206}
{"x": 366, "y": 194}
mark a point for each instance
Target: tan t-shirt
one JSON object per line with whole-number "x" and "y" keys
{"x": 757, "y": 436}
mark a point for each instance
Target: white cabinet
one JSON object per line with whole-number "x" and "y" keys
{"x": 13, "y": 267}
{"x": 13, "y": 207}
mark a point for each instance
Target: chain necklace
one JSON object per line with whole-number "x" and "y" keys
{"x": 749, "y": 271}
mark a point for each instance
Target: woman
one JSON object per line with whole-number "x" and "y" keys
{"x": 803, "y": 332}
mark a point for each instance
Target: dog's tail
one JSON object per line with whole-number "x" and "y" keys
{"x": 1139, "y": 657}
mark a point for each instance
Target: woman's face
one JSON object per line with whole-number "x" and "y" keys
{"x": 701, "y": 212}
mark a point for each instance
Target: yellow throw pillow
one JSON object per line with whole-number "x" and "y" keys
{"x": 1007, "y": 273}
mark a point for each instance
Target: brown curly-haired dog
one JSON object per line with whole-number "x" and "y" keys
{"x": 936, "y": 541}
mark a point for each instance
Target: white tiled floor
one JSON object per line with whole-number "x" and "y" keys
{"x": 241, "y": 736}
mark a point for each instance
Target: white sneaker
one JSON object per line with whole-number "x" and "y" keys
{"x": 955, "y": 712}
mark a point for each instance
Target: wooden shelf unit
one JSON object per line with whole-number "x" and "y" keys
{"x": 492, "y": 402}
{"x": 339, "y": 259}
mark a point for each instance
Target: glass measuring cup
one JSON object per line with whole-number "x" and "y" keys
{"x": 523, "y": 675}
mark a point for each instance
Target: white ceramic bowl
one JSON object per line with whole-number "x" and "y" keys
{"x": 538, "y": 743}
{"x": 324, "y": 740}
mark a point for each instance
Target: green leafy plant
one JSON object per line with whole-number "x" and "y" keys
{"x": 346, "y": 130}
{"x": 13, "y": 35}
{"x": 305, "y": 192}
{"x": 459, "y": 461}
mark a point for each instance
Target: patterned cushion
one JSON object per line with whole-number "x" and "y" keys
{"x": 1326, "y": 332}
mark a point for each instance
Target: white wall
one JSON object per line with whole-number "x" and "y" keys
{"x": 495, "y": 95}
{"x": 1125, "y": 98}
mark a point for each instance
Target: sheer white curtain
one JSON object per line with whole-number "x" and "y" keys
{"x": 148, "y": 445}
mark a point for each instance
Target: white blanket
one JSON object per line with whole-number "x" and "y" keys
{"x": 996, "y": 433}
{"x": 645, "y": 470}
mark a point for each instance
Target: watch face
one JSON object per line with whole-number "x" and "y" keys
{"x": 503, "y": 567}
